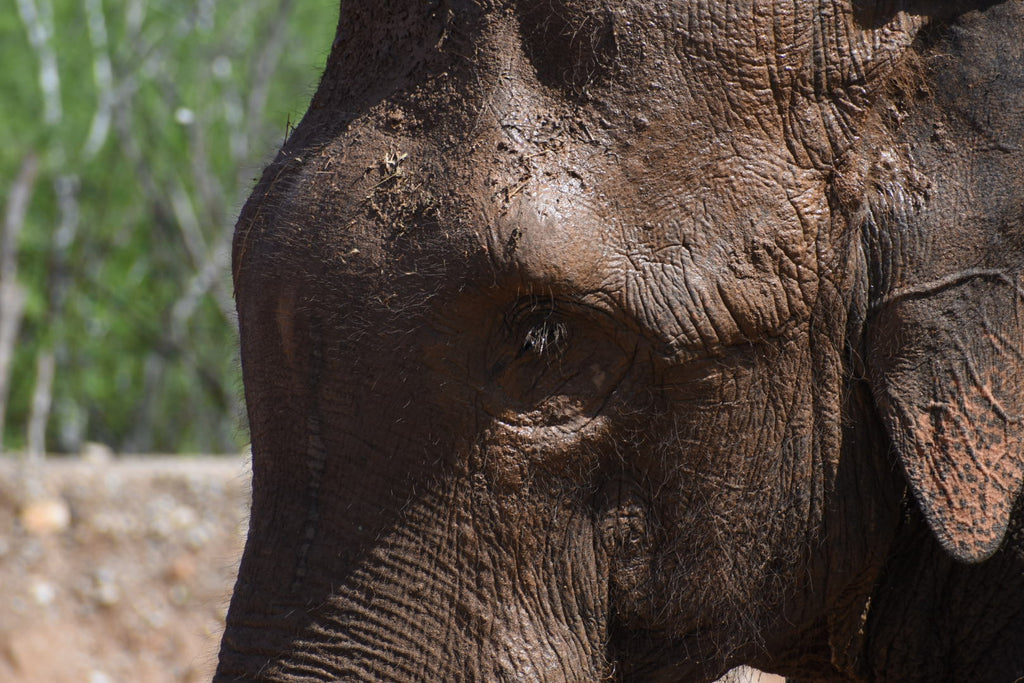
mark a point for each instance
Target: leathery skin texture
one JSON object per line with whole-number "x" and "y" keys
{"x": 635, "y": 341}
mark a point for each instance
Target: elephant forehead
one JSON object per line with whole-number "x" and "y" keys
{"x": 693, "y": 244}
{"x": 682, "y": 188}
{"x": 708, "y": 255}
{"x": 803, "y": 71}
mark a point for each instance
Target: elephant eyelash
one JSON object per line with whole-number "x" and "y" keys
{"x": 544, "y": 338}
{"x": 538, "y": 328}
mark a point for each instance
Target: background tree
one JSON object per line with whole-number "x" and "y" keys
{"x": 133, "y": 130}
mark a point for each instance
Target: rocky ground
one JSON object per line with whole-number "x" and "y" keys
{"x": 119, "y": 569}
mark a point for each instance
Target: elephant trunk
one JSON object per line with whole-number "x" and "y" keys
{"x": 439, "y": 595}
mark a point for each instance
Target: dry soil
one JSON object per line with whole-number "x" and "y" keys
{"x": 117, "y": 569}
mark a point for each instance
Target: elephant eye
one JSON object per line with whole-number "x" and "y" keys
{"x": 553, "y": 359}
{"x": 537, "y": 328}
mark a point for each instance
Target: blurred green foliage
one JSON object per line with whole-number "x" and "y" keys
{"x": 159, "y": 121}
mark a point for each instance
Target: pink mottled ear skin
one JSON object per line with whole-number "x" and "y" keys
{"x": 951, "y": 390}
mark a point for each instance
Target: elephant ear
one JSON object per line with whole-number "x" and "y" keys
{"x": 945, "y": 337}
{"x": 948, "y": 380}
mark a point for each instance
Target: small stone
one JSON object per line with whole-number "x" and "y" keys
{"x": 183, "y": 517}
{"x": 42, "y": 591}
{"x": 105, "y": 589}
{"x": 179, "y": 595}
{"x": 107, "y": 595}
{"x": 197, "y": 536}
{"x": 156, "y": 618}
{"x": 45, "y": 516}
{"x": 97, "y": 676}
{"x": 182, "y": 569}
{"x": 96, "y": 453}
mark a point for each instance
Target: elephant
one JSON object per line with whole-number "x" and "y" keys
{"x": 604, "y": 340}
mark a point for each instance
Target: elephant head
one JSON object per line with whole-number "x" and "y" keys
{"x": 634, "y": 341}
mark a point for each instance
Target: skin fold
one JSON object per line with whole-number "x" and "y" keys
{"x": 634, "y": 341}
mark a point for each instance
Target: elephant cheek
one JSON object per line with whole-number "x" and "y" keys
{"x": 626, "y": 538}
{"x": 284, "y": 315}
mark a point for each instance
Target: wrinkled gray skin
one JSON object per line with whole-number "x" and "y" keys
{"x": 632, "y": 341}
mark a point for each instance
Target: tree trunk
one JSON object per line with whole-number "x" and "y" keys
{"x": 42, "y": 397}
{"x": 12, "y": 297}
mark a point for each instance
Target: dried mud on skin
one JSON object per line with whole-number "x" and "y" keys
{"x": 120, "y": 570}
